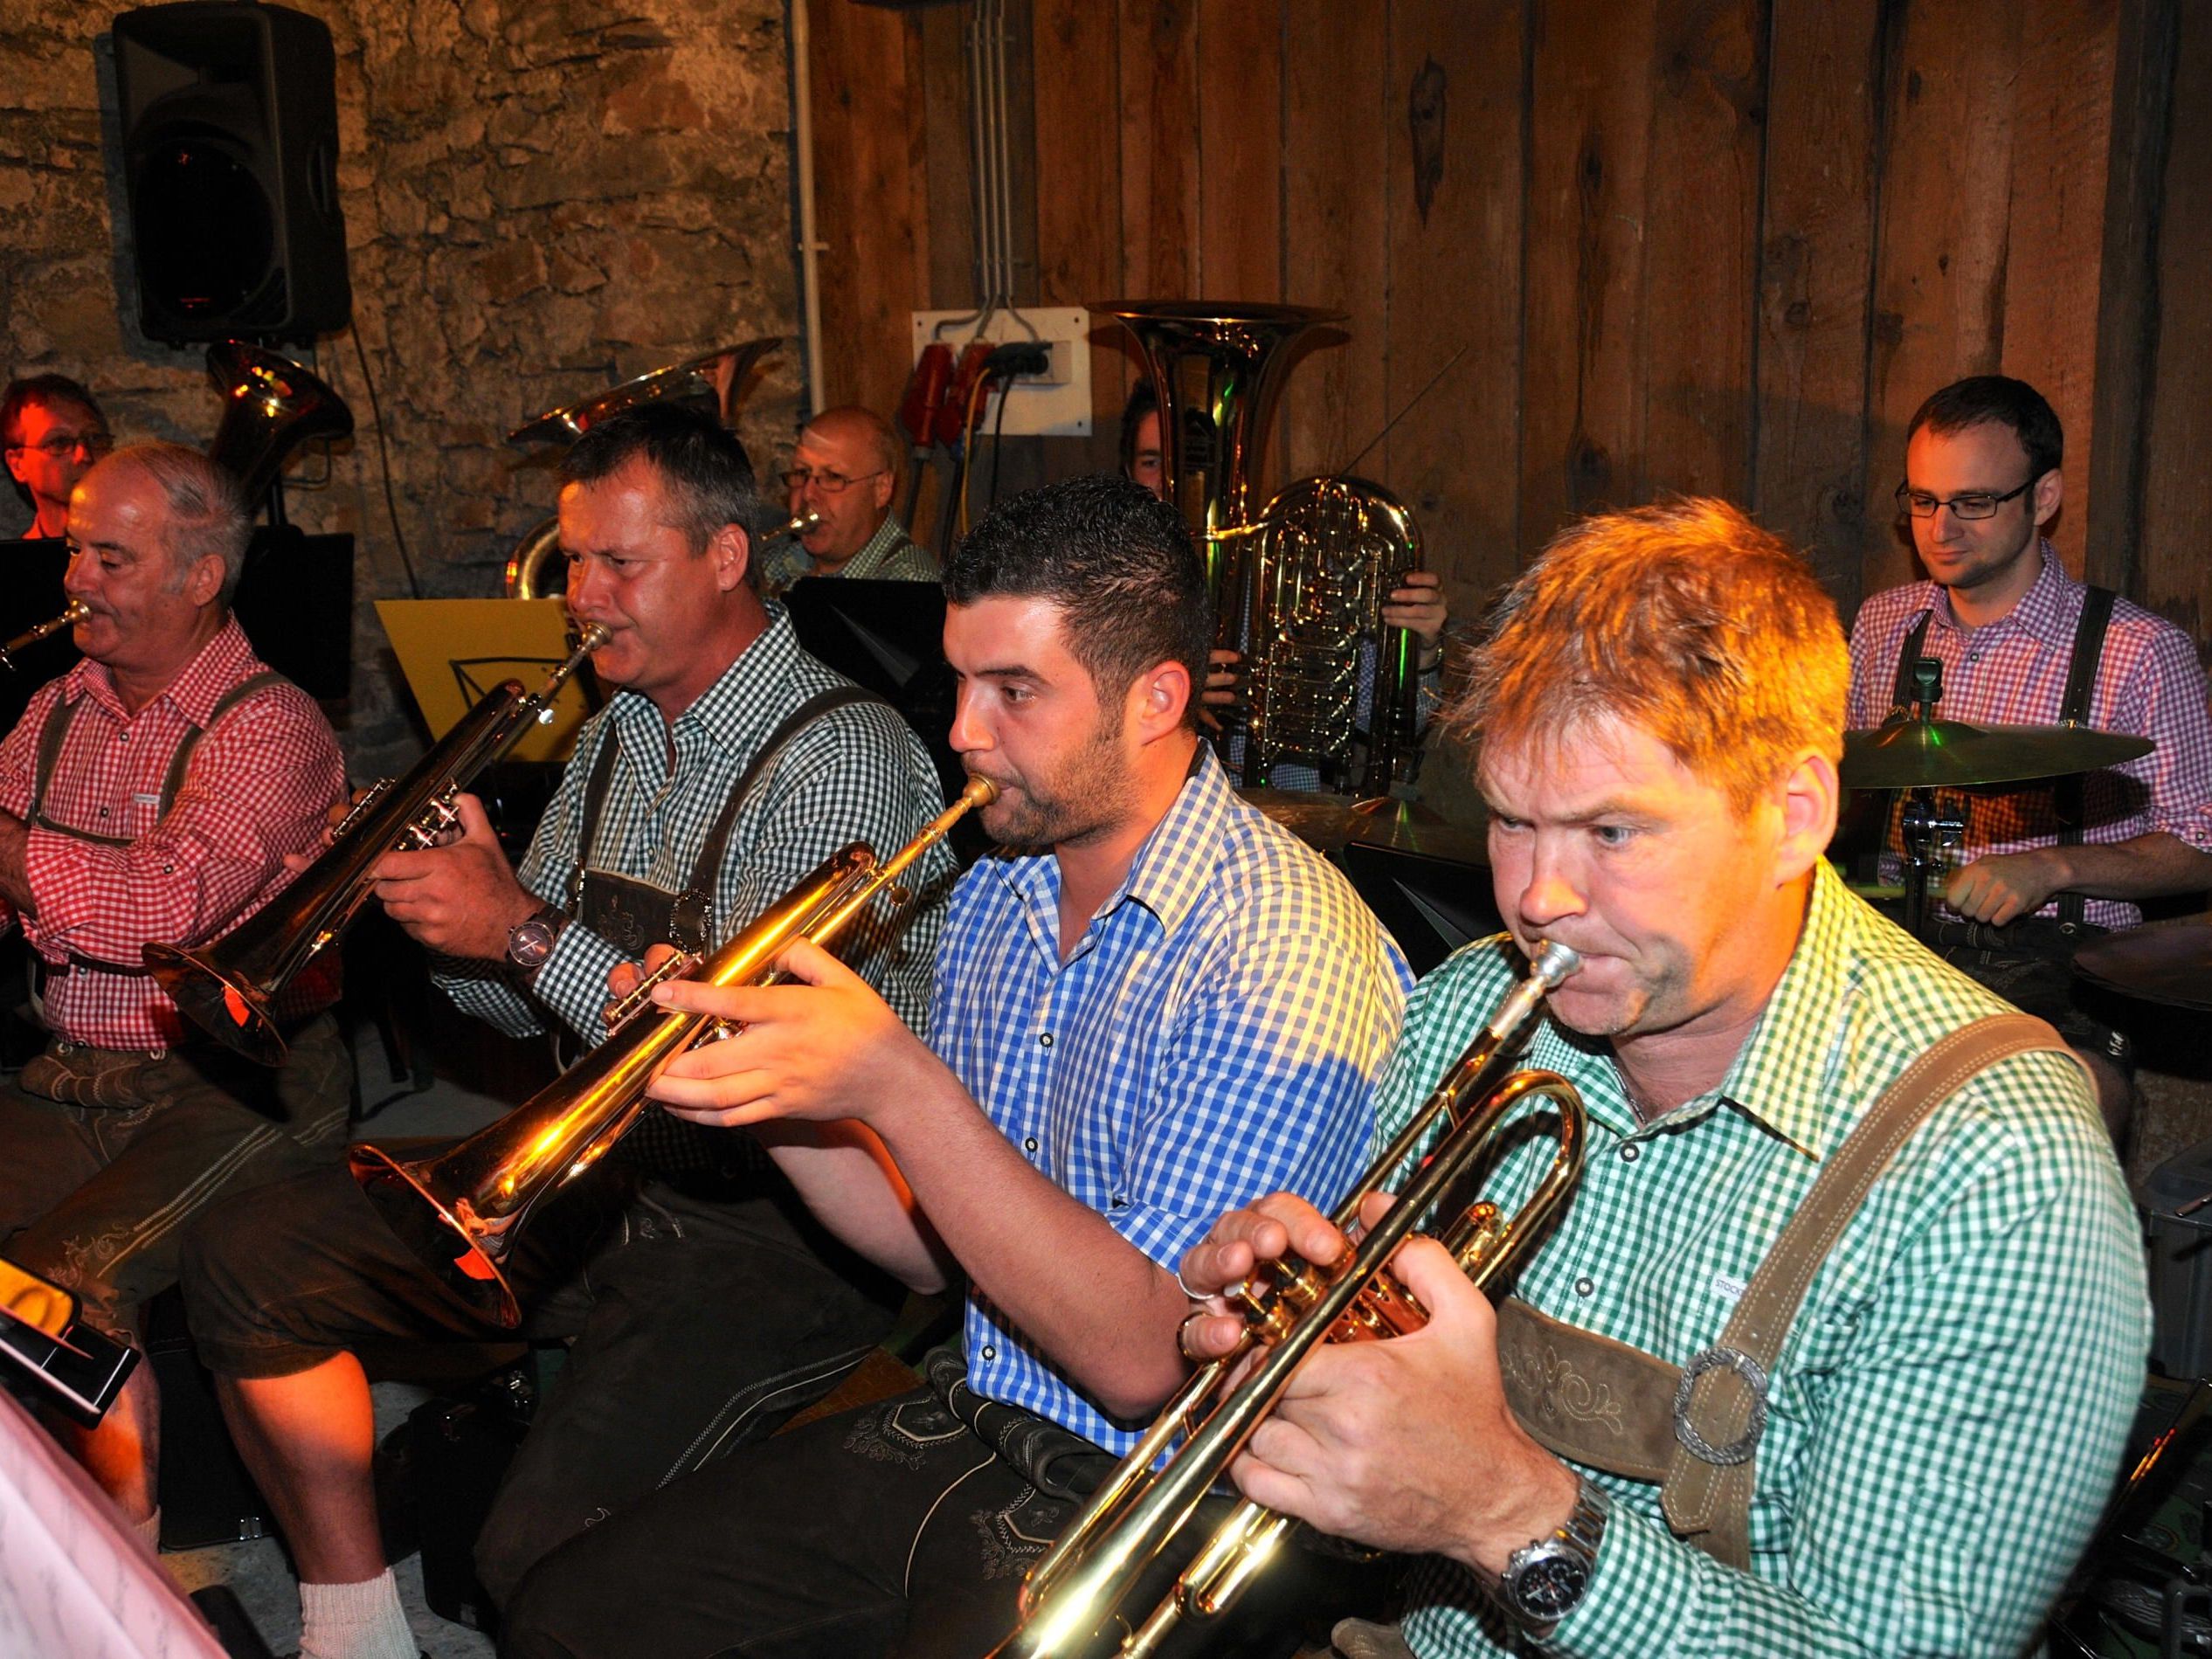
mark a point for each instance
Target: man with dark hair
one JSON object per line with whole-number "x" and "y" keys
{"x": 52, "y": 432}
{"x": 1151, "y": 999}
{"x": 704, "y": 1305}
{"x": 150, "y": 795}
{"x": 845, "y": 472}
{"x": 1834, "y": 1346}
{"x": 2044, "y": 867}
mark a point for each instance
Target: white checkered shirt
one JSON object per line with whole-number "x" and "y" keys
{"x": 857, "y": 773}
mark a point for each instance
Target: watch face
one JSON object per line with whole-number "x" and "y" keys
{"x": 530, "y": 944}
{"x": 1548, "y": 1586}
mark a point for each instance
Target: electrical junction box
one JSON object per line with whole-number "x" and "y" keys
{"x": 1055, "y": 404}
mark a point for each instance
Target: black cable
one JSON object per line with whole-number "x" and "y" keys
{"x": 999, "y": 440}
{"x": 383, "y": 455}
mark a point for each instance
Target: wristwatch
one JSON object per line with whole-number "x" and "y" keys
{"x": 1544, "y": 1581}
{"x": 530, "y": 941}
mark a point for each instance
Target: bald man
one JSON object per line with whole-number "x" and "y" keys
{"x": 844, "y": 470}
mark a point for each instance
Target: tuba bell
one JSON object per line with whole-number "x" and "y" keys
{"x": 271, "y": 406}
{"x": 1074, "y": 1601}
{"x": 1215, "y": 368}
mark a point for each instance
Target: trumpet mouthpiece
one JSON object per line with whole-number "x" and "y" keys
{"x": 980, "y": 792}
{"x": 1554, "y": 964}
{"x": 593, "y": 636}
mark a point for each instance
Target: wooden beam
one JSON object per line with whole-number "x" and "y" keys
{"x": 1810, "y": 467}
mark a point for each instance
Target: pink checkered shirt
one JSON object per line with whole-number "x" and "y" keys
{"x": 2014, "y": 671}
{"x": 258, "y": 787}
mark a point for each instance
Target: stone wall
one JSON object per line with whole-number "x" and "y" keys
{"x": 542, "y": 198}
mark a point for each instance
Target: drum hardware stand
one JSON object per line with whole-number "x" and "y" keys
{"x": 1926, "y": 828}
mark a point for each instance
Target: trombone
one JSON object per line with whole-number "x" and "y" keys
{"x": 459, "y": 1208}
{"x": 75, "y": 611}
{"x": 1072, "y": 1602}
{"x": 229, "y": 989}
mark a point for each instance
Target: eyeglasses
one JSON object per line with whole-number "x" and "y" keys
{"x": 1974, "y": 504}
{"x": 828, "y": 483}
{"x": 62, "y": 445}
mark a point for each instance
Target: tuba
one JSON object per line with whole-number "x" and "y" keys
{"x": 229, "y": 989}
{"x": 1072, "y": 1600}
{"x": 1330, "y": 550}
{"x": 271, "y": 406}
{"x": 459, "y": 1209}
{"x": 1215, "y": 368}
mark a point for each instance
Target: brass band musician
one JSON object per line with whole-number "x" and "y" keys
{"x": 706, "y": 1306}
{"x": 1152, "y": 994}
{"x": 150, "y": 794}
{"x": 845, "y": 470}
{"x": 1922, "y": 1450}
{"x": 52, "y": 432}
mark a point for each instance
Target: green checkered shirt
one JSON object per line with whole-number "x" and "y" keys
{"x": 888, "y": 556}
{"x": 1948, "y": 1411}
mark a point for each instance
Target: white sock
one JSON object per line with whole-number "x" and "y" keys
{"x": 361, "y": 1620}
{"x": 150, "y": 1528}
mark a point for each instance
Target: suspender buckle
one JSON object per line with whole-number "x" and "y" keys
{"x": 1754, "y": 1380}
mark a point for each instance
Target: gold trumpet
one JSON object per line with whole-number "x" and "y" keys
{"x": 459, "y": 1209}
{"x": 229, "y": 988}
{"x": 1071, "y": 1603}
{"x": 74, "y": 613}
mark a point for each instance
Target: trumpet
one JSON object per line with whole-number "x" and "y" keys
{"x": 459, "y": 1208}
{"x": 799, "y": 524}
{"x": 75, "y": 611}
{"x": 1071, "y": 1603}
{"x": 229, "y": 988}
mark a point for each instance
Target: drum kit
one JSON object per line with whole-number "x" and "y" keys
{"x": 2168, "y": 962}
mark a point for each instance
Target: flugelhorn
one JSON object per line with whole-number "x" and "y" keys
{"x": 459, "y": 1209}
{"x": 74, "y": 613}
{"x": 1072, "y": 1603}
{"x": 229, "y": 988}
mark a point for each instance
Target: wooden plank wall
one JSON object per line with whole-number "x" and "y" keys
{"x": 1715, "y": 245}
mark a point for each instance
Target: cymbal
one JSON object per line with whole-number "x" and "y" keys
{"x": 690, "y": 382}
{"x": 2168, "y": 962}
{"x": 1329, "y": 823}
{"x": 1908, "y": 754}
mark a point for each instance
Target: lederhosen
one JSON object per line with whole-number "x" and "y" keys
{"x": 633, "y": 915}
{"x": 2029, "y": 960}
{"x": 1693, "y": 1430}
{"x": 59, "y": 720}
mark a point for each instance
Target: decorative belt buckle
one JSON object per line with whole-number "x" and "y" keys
{"x": 1744, "y": 1366}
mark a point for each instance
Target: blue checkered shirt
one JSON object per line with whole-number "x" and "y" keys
{"x": 1215, "y": 1036}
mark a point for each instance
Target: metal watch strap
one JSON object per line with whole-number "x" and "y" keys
{"x": 1579, "y": 1535}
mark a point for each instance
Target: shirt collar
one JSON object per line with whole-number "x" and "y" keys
{"x": 220, "y": 664}
{"x": 877, "y": 548}
{"x": 1782, "y": 1076}
{"x": 1172, "y": 866}
{"x": 2047, "y": 612}
{"x": 732, "y": 713}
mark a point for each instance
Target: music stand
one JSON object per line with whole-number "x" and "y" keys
{"x": 888, "y": 637}
{"x": 1432, "y": 906}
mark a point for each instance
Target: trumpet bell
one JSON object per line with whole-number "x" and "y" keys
{"x": 214, "y": 997}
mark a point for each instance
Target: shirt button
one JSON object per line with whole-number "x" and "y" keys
{"x": 1031, "y": 1143}
{"x": 1630, "y": 1152}
{"x": 989, "y": 1352}
{"x": 1584, "y": 1287}
{"x": 103, "y": 812}
{"x": 1044, "y": 1039}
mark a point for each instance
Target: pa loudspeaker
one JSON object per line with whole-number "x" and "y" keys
{"x": 230, "y": 124}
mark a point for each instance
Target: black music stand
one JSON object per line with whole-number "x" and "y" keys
{"x": 887, "y": 636}
{"x": 1432, "y": 906}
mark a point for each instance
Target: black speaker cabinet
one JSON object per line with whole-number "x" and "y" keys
{"x": 230, "y": 124}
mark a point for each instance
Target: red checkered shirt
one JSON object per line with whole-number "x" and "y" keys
{"x": 258, "y": 787}
{"x": 2012, "y": 670}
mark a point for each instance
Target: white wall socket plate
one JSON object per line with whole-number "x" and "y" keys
{"x": 1057, "y": 403}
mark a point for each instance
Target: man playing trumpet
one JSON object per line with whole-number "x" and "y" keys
{"x": 1919, "y": 1453}
{"x": 1151, "y": 998}
{"x": 705, "y": 1305}
{"x": 151, "y": 794}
